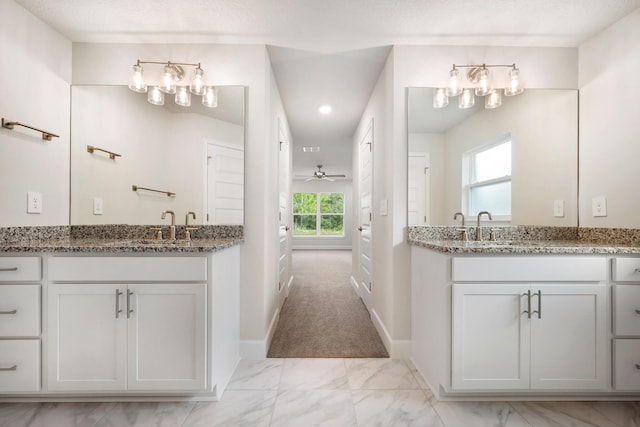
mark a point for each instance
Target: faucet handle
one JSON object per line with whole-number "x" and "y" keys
{"x": 492, "y": 234}
{"x": 465, "y": 235}
{"x": 187, "y": 233}
{"x": 157, "y": 232}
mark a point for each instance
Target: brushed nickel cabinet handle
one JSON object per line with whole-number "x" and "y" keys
{"x": 9, "y": 269}
{"x": 118, "y": 309}
{"x": 9, "y": 312}
{"x": 129, "y": 309}
{"x": 15, "y": 368}
{"x": 539, "y": 310}
{"x": 528, "y": 310}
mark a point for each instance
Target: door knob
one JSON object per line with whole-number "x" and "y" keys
{"x": 287, "y": 228}
{"x": 360, "y": 228}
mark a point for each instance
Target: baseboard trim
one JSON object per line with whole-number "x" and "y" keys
{"x": 354, "y": 284}
{"x": 289, "y": 285}
{"x": 258, "y": 349}
{"x": 398, "y": 349}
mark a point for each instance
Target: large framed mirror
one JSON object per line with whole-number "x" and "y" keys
{"x": 131, "y": 160}
{"x": 519, "y": 161}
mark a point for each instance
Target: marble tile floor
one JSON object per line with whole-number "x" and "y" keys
{"x": 324, "y": 392}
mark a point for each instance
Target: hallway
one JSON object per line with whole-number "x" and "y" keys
{"x": 323, "y": 316}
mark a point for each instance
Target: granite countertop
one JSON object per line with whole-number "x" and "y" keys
{"x": 100, "y": 245}
{"x": 524, "y": 247}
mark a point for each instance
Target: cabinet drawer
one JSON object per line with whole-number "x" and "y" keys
{"x": 128, "y": 269}
{"x": 626, "y": 269}
{"x": 626, "y": 310}
{"x": 626, "y": 367}
{"x": 529, "y": 269}
{"x": 19, "y": 310}
{"x": 20, "y": 269}
{"x": 19, "y": 365}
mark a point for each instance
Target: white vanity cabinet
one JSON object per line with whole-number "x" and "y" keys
{"x": 127, "y": 324}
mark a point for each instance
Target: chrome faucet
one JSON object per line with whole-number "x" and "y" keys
{"x": 478, "y": 227}
{"x": 465, "y": 236}
{"x": 172, "y": 228}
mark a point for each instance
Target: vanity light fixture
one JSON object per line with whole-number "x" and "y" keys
{"x": 172, "y": 75}
{"x": 480, "y": 79}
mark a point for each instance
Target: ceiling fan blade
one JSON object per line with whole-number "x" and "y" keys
{"x": 327, "y": 179}
{"x": 310, "y": 179}
{"x": 336, "y": 176}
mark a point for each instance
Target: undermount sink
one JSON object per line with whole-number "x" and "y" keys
{"x": 135, "y": 242}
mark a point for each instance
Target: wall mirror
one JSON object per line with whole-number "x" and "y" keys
{"x": 130, "y": 160}
{"x": 451, "y": 150}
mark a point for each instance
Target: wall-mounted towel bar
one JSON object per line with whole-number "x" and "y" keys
{"x": 45, "y": 135}
{"x": 168, "y": 193}
{"x": 112, "y": 155}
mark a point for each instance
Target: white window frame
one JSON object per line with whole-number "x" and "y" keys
{"x": 319, "y": 215}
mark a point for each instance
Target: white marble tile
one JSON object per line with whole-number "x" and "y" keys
{"x": 307, "y": 374}
{"x": 417, "y": 375}
{"x": 295, "y": 408}
{"x": 479, "y": 414}
{"x": 257, "y": 375}
{"x": 394, "y": 407}
{"x": 54, "y": 414}
{"x": 250, "y": 408}
{"x": 560, "y": 414}
{"x": 379, "y": 374}
{"x": 147, "y": 414}
{"x": 626, "y": 414}
{"x": 18, "y": 414}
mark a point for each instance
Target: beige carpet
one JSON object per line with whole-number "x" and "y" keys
{"x": 323, "y": 316}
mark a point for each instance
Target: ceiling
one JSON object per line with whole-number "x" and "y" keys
{"x": 331, "y": 51}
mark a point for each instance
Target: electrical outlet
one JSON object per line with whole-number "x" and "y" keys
{"x": 599, "y": 206}
{"x": 558, "y": 208}
{"x": 98, "y": 206}
{"x": 34, "y": 202}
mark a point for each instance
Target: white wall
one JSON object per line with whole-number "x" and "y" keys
{"x": 327, "y": 242}
{"x": 35, "y": 73}
{"x": 609, "y": 124}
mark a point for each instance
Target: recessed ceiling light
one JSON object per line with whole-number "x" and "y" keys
{"x": 310, "y": 149}
{"x": 325, "y": 109}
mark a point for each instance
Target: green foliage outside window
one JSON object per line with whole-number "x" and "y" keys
{"x": 323, "y": 215}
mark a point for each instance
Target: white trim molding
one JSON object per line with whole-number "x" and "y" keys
{"x": 258, "y": 349}
{"x": 398, "y": 349}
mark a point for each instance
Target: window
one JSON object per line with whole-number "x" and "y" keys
{"x": 318, "y": 214}
{"x": 487, "y": 179}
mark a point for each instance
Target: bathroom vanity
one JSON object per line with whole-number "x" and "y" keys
{"x": 92, "y": 318}
{"x": 522, "y": 319}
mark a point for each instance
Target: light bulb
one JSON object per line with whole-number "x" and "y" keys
{"x": 210, "y": 97}
{"x": 136, "y": 83}
{"x": 515, "y": 85}
{"x": 197, "y": 83}
{"x": 183, "y": 96}
{"x": 483, "y": 82}
{"x": 440, "y": 98}
{"x": 493, "y": 99}
{"x": 168, "y": 80}
{"x": 155, "y": 96}
{"x": 467, "y": 99}
{"x": 454, "y": 87}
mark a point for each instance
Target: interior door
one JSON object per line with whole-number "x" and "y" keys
{"x": 284, "y": 168}
{"x": 365, "y": 196}
{"x": 225, "y": 184}
{"x": 418, "y": 189}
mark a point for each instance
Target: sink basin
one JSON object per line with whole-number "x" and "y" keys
{"x": 137, "y": 242}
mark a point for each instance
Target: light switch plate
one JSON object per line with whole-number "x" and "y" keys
{"x": 558, "y": 208}
{"x": 98, "y": 206}
{"x": 599, "y": 206}
{"x": 34, "y": 202}
{"x": 383, "y": 207}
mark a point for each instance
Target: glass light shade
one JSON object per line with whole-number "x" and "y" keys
{"x": 493, "y": 99}
{"x": 197, "y": 83}
{"x": 483, "y": 82}
{"x": 210, "y": 97}
{"x": 155, "y": 96}
{"x": 136, "y": 82}
{"x": 515, "y": 85}
{"x": 467, "y": 98}
{"x": 454, "y": 88}
{"x": 168, "y": 80}
{"x": 183, "y": 96}
{"x": 440, "y": 98}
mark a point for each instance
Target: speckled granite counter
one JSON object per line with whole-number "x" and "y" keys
{"x": 530, "y": 240}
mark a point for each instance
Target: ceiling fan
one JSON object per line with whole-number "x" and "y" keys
{"x": 320, "y": 174}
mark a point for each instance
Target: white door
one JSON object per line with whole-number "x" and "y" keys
{"x": 366, "y": 215}
{"x": 87, "y": 327}
{"x": 225, "y": 184}
{"x": 284, "y": 171}
{"x": 167, "y": 335}
{"x": 490, "y": 340}
{"x": 568, "y": 340}
{"x": 418, "y": 189}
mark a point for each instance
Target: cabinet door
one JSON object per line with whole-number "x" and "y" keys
{"x": 490, "y": 342}
{"x": 568, "y": 340}
{"x": 87, "y": 339}
{"x": 166, "y": 334}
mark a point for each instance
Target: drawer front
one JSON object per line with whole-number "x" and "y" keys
{"x": 626, "y": 310}
{"x": 20, "y": 269}
{"x": 529, "y": 269}
{"x": 19, "y": 366}
{"x": 626, "y": 368}
{"x": 626, "y": 269}
{"x": 19, "y": 310}
{"x": 127, "y": 269}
